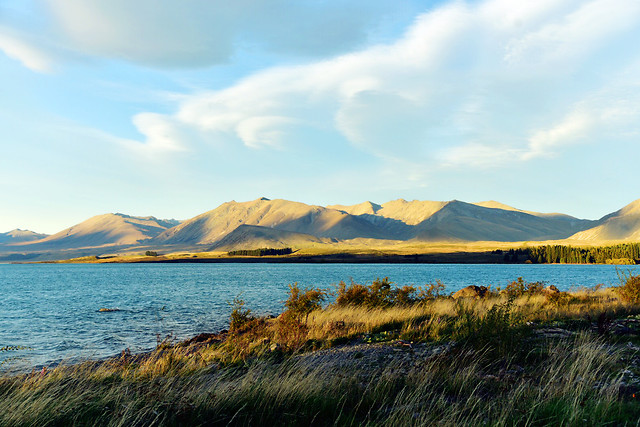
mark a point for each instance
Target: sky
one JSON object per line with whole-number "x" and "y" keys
{"x": 170, "y": 108}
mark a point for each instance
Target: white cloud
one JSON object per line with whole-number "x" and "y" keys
{"x": 457, "y": 88}
{"x": 17, "y": 47}
{"x": 572, "y": 129}
{"x": 167, "y": 33}
{"x": 163, "y": 135}
{"x": 565, "y": 41}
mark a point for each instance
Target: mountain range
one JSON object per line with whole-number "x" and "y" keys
{"x": 281, "y": 223}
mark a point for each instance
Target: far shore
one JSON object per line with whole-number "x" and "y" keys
{"x": 337, "y": 258}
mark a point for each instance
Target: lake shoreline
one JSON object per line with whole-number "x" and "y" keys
{"x": 529, "y": 354}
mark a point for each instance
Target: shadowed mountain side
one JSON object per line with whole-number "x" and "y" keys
{"x": 283, "y": 215}
{"x": 19, "y": 236}
{"x": 101, "y": 230}
{"x": 572, "y": 223}
{"x": 409, "y": 212}
{"x": 254, "y": 236}
{"x": 364, "y": 208}
{"x": 460, "y": 221}
{"x": 620, "y": 225}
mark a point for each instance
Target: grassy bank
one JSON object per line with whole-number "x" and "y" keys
{"x": 377, "y": 355}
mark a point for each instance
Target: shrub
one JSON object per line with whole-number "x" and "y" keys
{"x": 520, "y": 288}
{"x": 151, "y": 253}
{"x": 240, "y": 316}
{"x": 378, "y": 294}
{"x": 558, "y": 299}
{"x": 404, "y": 295}
{"x": 431, "y": 291}
{"x": 301, "y": 302}
{"x": 354, "y": 294}
{"x": 630, "y": 290}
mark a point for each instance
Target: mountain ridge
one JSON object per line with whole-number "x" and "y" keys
{"x": 282, "y": 222}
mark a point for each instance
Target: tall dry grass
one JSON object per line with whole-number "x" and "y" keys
{"x": 499, "y": 368}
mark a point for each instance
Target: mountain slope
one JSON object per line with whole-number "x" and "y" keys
{"x": 368, "y": 208}
{"x": 254, "y": 236}
{"x": 623, "y": 224}
{"x": 107, "y": 229}
{"x": 409, "y": 212}
{"x": 460, "y": 221}
{"x": 20, "y": 236}
{"x": 563, "y": 221}
{"x": 285, "y": 215}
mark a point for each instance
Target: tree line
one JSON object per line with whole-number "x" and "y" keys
{"x": 625, "y": 253}
{"x": 260, "y": 252}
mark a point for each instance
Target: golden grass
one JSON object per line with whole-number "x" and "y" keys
{"x": 250, "y": 377}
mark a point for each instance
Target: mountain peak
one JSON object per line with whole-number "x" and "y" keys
{"x": 19, "y": 236}
{"x": 631, "y": 209}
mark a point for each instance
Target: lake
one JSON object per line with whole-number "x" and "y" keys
{"x": 54, "y": 308}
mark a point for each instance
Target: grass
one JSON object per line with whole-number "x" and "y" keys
{"x": 518, "y": 360}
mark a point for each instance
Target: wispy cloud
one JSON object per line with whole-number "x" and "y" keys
{"x": 475, "y": 84}
{"x": 18, "y": 46}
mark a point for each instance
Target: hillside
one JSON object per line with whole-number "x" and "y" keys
{"x": 409, "y": 212}
{"x": 253, "y": 236}
{"x": 279, "y": 223}
{"x": 101, "y": 230}
{"x": 460, "y": 221}
{"x": 19, "y": 236}
{"x": 283, "y": 215}
{"x": 623, "y": 224}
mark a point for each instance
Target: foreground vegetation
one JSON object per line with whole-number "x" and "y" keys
{"x": 379, "y": 354}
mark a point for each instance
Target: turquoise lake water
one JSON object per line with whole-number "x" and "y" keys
{"x": 53, "y": 308}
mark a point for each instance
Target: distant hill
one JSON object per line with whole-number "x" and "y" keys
{"x": 20, "y": 236}
{"x": 460, "y": 221}
{"x": 282, "y": 223}
{"x": 279, "y": 214}
{"x": 623, "y": 224}
{"x": 107, "y": 229}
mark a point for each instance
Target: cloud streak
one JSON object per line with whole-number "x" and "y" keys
{"x": 467, "y": 84}
{"x": 18, "y": 47}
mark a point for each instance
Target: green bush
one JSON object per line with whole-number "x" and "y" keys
{"x": 301, "y": 302}
{"x": 151, "y": 253}
{"x": 240, "y": 316}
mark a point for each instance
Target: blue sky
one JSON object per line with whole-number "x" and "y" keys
{"x": 169, "y": 108}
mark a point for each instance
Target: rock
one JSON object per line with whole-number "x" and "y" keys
{"x": 203, "y": 338}
{"x": 550, "y": 290}
{"x": 471, "y": 291}
{"x": 274, "y": 347}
